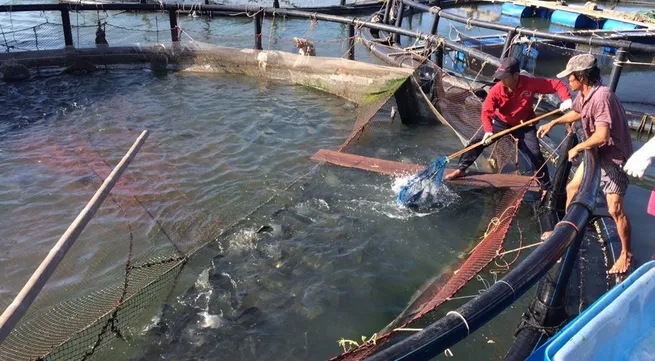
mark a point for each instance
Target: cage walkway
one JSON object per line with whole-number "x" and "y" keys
{"x": 401, "y": 169}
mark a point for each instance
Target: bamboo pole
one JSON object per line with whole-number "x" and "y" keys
{"x": 504, "y": 132}
{"x": 22, "y": 302}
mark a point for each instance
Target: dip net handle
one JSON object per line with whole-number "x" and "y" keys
{"x": 31, "y": 290}
{"x": 505, "y": 132}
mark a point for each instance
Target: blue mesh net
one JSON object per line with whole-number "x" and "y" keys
{"x": 421, "y": 189}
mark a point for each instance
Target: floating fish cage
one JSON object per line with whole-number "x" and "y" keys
{"x": 417, "y": 86}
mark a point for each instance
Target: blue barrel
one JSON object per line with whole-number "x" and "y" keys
{"x": 618, "y": 25}
{"x": 521, "y": 11}
{"x": 575, "y": 20}
{"x": 542, "y": 13}
{"x": 518, "y": 11}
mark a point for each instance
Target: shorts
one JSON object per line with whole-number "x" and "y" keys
{"x": 613, "y": 179}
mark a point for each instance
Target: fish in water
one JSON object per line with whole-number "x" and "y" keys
{"x": 305, "y": 47}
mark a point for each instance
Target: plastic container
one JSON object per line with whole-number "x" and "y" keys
{"x": 619, "y": 326}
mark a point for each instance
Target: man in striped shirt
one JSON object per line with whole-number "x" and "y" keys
{"x": 604, "y": 123}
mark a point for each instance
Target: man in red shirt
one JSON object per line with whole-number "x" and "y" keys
{"x": 508, "y": 103}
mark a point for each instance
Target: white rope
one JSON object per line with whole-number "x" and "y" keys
{"x": 508, "y": 285}
{"x": 408, "y": 329}
{"x": 468, "y": 329}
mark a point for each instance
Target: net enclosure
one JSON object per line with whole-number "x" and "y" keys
{"x": 126, "y": 284}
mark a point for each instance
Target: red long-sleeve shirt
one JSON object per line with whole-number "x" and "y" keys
{"x": 512, "y": 108}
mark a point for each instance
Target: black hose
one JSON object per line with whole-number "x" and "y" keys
{"x": 547, "y": 312}
{"x": 546, "y": 315}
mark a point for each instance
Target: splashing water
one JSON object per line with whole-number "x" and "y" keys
{"x": 421, "y": 190}
{"x": 431, "y": 198}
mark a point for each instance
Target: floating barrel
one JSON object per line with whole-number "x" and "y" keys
{"x": 619, "y": 25}
{"x": 521, "y": 11}
{"x": 575, "y": 20}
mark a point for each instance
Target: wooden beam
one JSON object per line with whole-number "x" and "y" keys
{"x": 403, "y": 169}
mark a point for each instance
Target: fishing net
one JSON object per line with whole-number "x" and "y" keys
{"x": 90, "y": 303}
{"x": 420, "y": 189}
{"x": 456, "y": 102}
{"x": 442, "y": 288}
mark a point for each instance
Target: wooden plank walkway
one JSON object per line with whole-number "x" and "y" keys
{"x": 402, "y": 169}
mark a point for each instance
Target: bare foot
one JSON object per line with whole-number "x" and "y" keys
{"x": 622, "y": 264}
{"x": 455, "y": 174}
{"x": 545, "y": 235}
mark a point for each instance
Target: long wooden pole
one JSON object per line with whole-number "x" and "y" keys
{"x": 22, "y": 302}
{"x": 506, "y": 131}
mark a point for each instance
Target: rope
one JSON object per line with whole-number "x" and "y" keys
{"x": 468, "y": 329}
{"x": 408, "y": 329}
{"x": 570, "y": 224}
{"x": 271, "y": 30}
{"x": 508, "y": 285}
{"x": 5, "y": 38}
{"x": 520, "y": 248}
{"x": 530, "y": 322}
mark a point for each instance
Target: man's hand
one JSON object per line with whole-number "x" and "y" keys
{"x": 573, "y": 154}
{"x": 544, "y": 130}
{"x": 565, "y": 106}
{"x": 485, "y": 139}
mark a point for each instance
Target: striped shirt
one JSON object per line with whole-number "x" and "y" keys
{"x": 603, "y": 108}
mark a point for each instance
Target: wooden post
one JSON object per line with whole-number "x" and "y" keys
{"x": 508, "y": 44}
{"x": 399, "y": 20}
{"x": 175, "y": 30}
{"x": 68, "y": 31}
{"x": 351, "y": 41}
{"x": 387, "y": 11}
{"x": 435, "y": 24}
{"x": 276, "y": 4}
{"x": 26, "y": 296}
{"x": 438, "y": 56}
{"x": 621, "y": 54}
{"x": 259, "y": 18}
